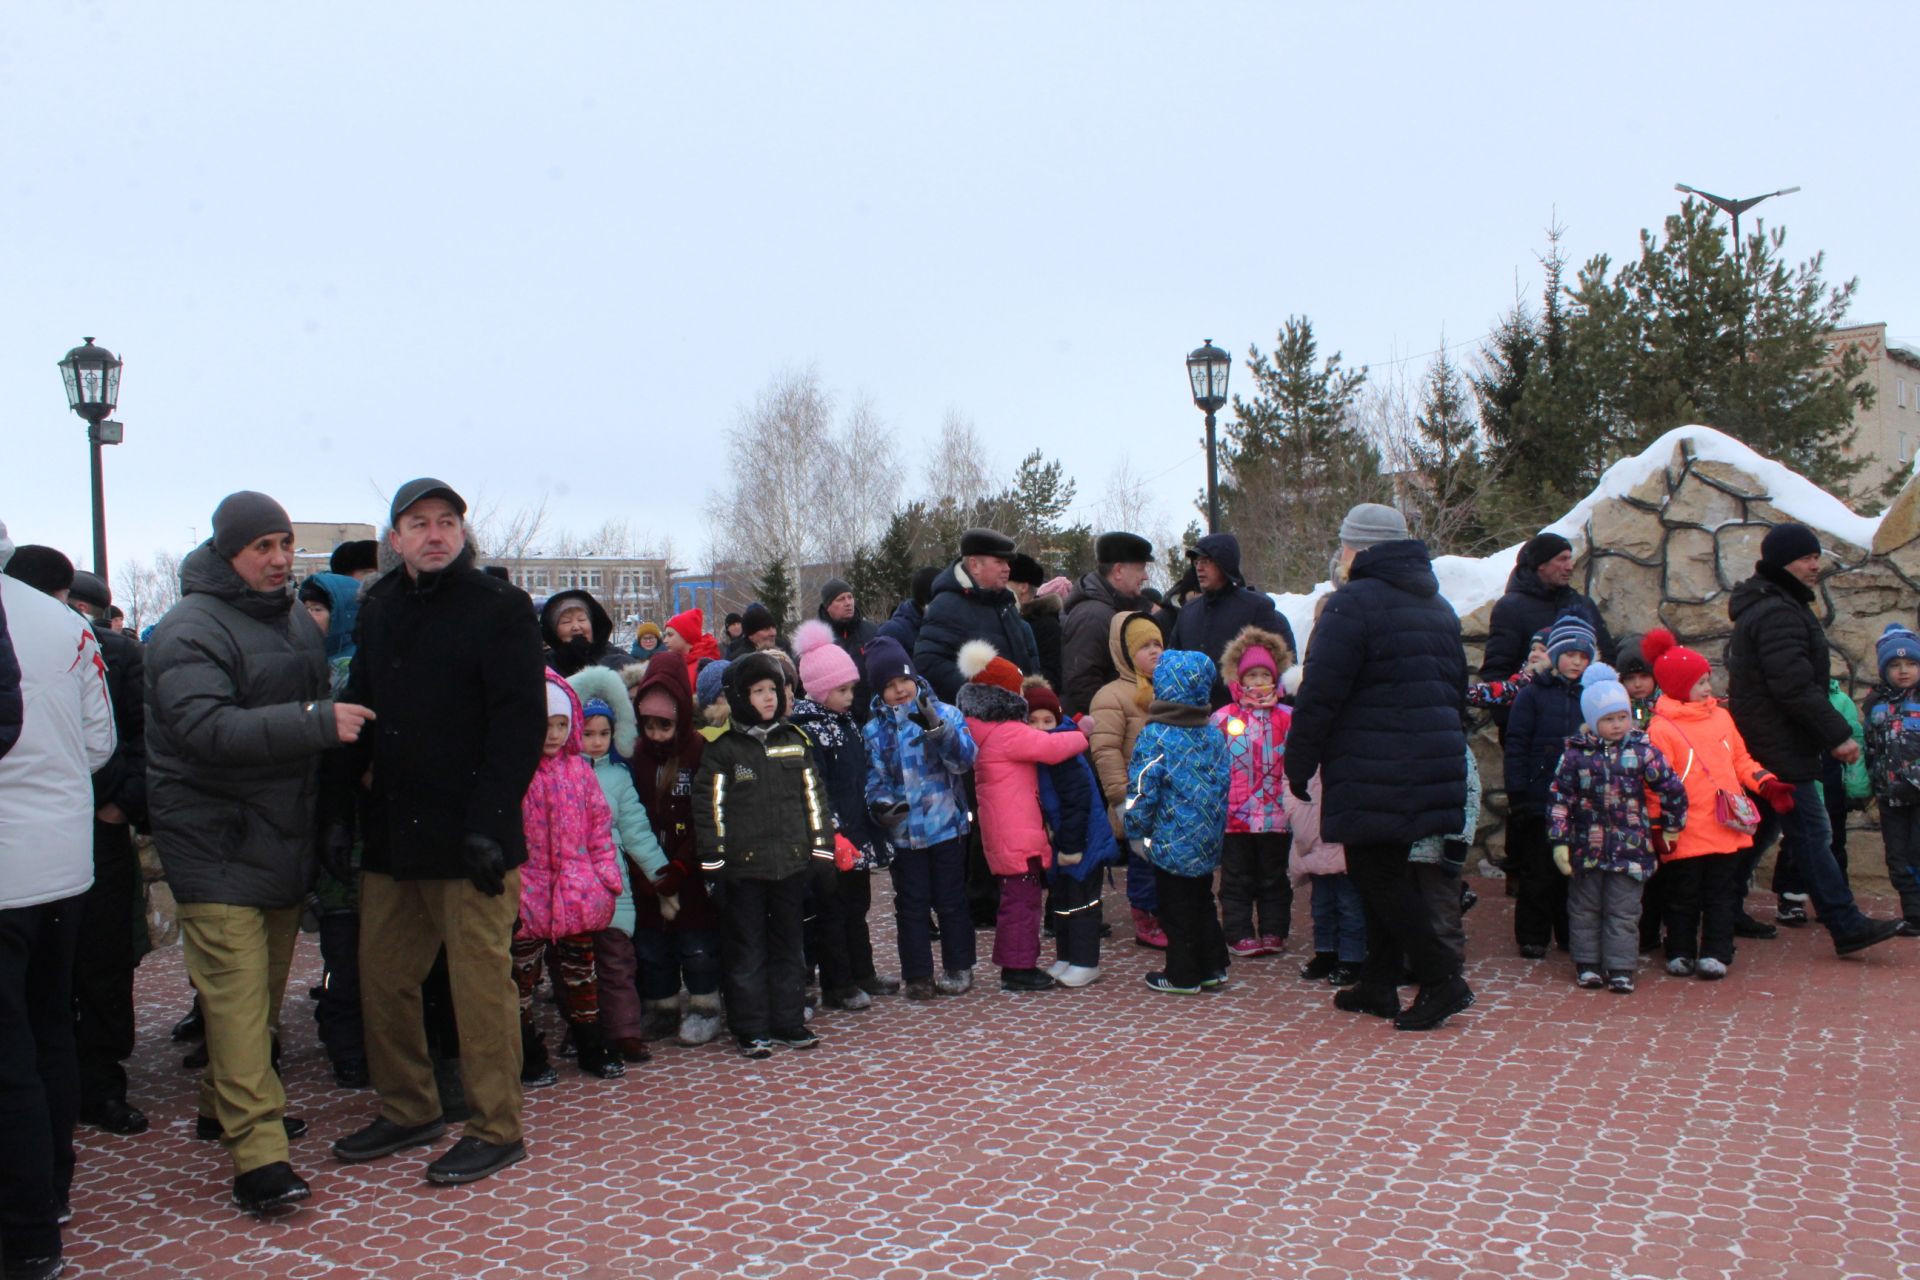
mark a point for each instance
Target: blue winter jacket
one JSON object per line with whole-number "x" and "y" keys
{"x": 1178, "y": 777}
{"x": 1076, "y": 814}
{"x": 1544, "y": 716}
{"x": 906, "y": 764}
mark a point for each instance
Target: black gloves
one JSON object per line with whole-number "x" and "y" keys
{"x": 336, "y": 852}
{"x": 486, "y": 864}
{"x": 926, "y": 714}
{"x": 1301, "y": 793}
{"x": 889, "y": 816}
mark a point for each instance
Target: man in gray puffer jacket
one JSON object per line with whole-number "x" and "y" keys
{"x": 237, "y": 716}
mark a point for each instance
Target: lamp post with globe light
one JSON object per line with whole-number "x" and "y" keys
{"x": 1207, "y": 370}
{"x": 92, "y": 375}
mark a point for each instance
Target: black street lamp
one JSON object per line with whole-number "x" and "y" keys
{"x": 92, "y": 375}
{"x": 1207, "y": 370}
{"x": 1733, "y": 209}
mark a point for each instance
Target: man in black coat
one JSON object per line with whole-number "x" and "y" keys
{"x": 1114, "y": 586}
{"x": 971, "y": 602}
{"x": 1379, "y": 716}
{"x": 1538, "y": 591}
{"x": 1041, "y": 613}
{"x": 449, "y": 658}
{"x": 103, "y": 967}
{"x": 1777, "y": 672}
{"x": 1224, "y": 607}
{"x": 237, "y": 715}
{"x": 852, "y": 632}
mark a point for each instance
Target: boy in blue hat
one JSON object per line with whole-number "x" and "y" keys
{"x": 1892, "y": 716}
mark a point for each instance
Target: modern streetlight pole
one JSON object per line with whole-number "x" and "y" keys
{"x": 92, "y": 375}
{"x": 1207, "y": 370}
{"x": 1733, "y": 209}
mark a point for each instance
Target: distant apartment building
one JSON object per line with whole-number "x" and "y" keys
{"x": 314, "y": 541}
{"x": 1890, "y": 430}
{"x": 633, "y": 588}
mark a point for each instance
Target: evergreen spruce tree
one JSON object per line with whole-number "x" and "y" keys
{"x": 775, "y": 591}
{"x": 1449, "y": 469}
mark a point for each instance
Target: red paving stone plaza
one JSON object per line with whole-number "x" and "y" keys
{"x": 1765, "y": 1126}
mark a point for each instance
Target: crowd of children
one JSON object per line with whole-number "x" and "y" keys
{"x": 709, "y": 826}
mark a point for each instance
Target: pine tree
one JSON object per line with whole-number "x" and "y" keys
{"x": 775, "y": 591}
{"x": 1294, "y": 459}
{"x": 1449, "y": 470}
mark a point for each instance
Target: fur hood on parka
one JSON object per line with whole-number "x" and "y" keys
{"x": 1249, "y": 638}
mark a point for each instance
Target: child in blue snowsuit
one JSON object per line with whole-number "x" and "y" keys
{"x": 1177, "y": 783}
{"x": 1083, "y": 845}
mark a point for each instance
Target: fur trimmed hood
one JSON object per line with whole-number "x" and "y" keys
{"x": 609, "y": 686}
{"x": 990, "y": 702}
{"x": 1249, "y": 637}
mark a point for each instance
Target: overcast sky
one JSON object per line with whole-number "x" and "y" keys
{"x": 546, "y": 248}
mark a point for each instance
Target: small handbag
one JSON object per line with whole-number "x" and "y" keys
{"x": 1733, "y": 809}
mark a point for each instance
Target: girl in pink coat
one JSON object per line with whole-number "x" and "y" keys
{"x": 1007, "y": 787}
{"x": 568, "y": 887}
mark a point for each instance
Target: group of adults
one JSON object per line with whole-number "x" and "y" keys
{"x": 250, "y": 772}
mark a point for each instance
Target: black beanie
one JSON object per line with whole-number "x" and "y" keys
{"x": 1026, "y": 569}
{"x": 241, "y": 517}
{"x": 832, "y": 589}
{"x": 1783, "y": 544}
{"x": 350, "y": 558}
{"x": 41, "y": 568}
{"x": 757, "y": 618}
{"x": 1542, "y": 548}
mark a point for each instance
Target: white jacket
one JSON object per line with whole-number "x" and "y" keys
{"x": 66, "y": 732}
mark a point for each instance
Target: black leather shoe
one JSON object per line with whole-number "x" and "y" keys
{"x": 115, "y": 1116}
{"x": 36, "y": 1268}
{"x": 1361, "y": 998}
{"x": 472, "y": 1159}
{"x": 1745, "y": 926}
{"x": 1869, "y": 934}
{"x": 270, "y": 1188}
{"x": 1436, "y": 1004}
{"x": 383, "y": 1137}
{"x": 351, "y": 1073}
{"x": 196, "y": 1059}
{"x": 191, "y": 1027}
{"x": 207, "y": 1129}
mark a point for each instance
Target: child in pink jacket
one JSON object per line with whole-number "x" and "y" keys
{"x": 1008, "y": 791}
{"x": 568, "y": 887}
{"x": 1253, "y": 858}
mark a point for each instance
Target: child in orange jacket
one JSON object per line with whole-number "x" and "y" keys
{"x": 1700, "y": 869}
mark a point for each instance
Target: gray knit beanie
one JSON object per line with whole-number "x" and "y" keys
{"x": 1369, "y": 524}
{"x": 241, "y": 517}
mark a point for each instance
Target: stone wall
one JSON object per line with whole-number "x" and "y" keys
{"x": 1671, "y": 549}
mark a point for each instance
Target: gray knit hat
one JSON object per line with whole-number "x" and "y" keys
{"x": 1369, "y": 524}
{"x": 241, "y": 517}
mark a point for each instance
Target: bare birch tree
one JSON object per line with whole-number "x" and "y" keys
{"x": 147, "y": 589}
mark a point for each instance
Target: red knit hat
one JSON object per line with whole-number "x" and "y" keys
{"x": 981, "y": 663}
{"x": 689, "y": 625}
{"x": 1041, "y": 697}
{"x": 1676, "y": 668}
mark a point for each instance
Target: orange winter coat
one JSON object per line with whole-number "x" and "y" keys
{"x": 1699, "y": 740}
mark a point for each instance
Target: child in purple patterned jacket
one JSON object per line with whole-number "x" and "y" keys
{"x": 1598, "y": 827}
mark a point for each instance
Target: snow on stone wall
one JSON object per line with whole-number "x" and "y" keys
{"x": 1663, "y": 539}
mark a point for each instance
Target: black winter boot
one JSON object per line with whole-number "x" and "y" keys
{"x": 535, "y": 1071}
{"x": 591, "y": 1052}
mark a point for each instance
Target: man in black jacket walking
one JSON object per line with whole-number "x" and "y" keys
{"x": 449, "y": 658}
{"x": 1379, "y": 716}
{"x": 1777, "y": 671}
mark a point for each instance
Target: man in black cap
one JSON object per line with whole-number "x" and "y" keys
{"x": 1041, "y": 612}
{"x": 1114, "y": 586}
{"x": 852, "y": 632}
{"x": 359, "y": 560}
{"x": 450, "y": 659}
{"x": 103, "y": 967}
{"x": 238, "y": 714}
{"x": 971, "y": 602}
{"x": 1777, "y": 673}
{"x": 1539, "y": 590}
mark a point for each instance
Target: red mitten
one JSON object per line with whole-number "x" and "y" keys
{"x": 1778, "y": 794}
{"x": 844, "y": 853}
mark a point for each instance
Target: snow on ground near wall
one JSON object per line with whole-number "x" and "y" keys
{"x": 1468, "y": 582}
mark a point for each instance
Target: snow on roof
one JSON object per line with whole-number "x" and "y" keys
{"x": 1469, "y": 582}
